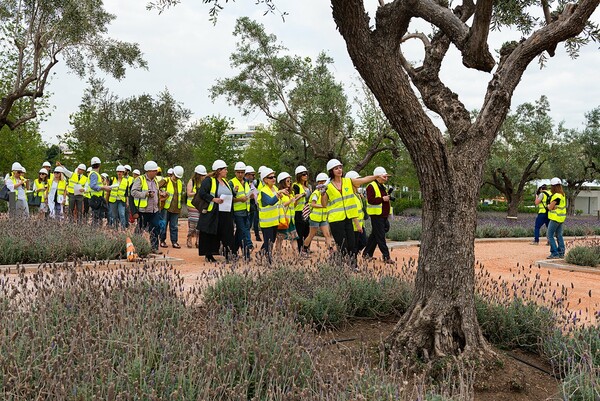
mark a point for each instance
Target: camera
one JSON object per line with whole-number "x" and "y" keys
{"x": 390, "y": 192}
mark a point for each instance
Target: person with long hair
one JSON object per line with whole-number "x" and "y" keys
{"x": 193, "y": 213}
{"x": 318, "y": 215}
{"x": 339, "y": 197}
{"x": 286, "y": 204}
{"x": 268, "y": 210}
{"x": 57, "y": 194}
{"x": 40, "y": 185}
{"x": 301, "y": 190}
{"x": 215, "y": 224}
{"x": 557, "y": 213}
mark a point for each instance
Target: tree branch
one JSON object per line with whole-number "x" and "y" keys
{"x": 476, "y": 53}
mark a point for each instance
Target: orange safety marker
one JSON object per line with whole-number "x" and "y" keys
{"x": 131, "y": 255}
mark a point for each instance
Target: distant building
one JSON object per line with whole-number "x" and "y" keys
{"x": 241, "y": 137}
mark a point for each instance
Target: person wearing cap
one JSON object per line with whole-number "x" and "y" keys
{"x": 360, "y": 235}
{"x": 378, "y": 209}
{"x": 542, "y": 199}
{"x": 193, "y": 213}
{"x": 96, "y": 189}
{"x": 146, "y": 192}
{"x": 268, "y": 210}
{"x": 40, "y": 186}
{"x": 317, "y": 219}
{"x": 172, "y": 208}
{"x": 16, "y": 184}
{"x": 301, "y": 187}
{"x": 339, "y": 197}
{"x": 241, "y": 211}
{"x": 57, "y": 194}
{"x": 286, "y": 204}
{"x": 250, "y": 178}
{"x": 557, "y": 213}
{"x": 75, "y": 191}
{"x": 117, "y": 199}
{"x": 215, "y": 224}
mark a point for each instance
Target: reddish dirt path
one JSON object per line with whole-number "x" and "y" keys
{"x": 504, "y": 260}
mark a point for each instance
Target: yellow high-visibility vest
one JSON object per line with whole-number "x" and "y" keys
{"x": 119, "y": 193}
{"x": 302, "y": 201}
{"x": 318, "y": 214}
{"x": 39, "y": 184}
{"x": 143, "y": 203}
{"x": 342, "y": 205}
{"x": 374, "y": 210}
{"x": 268, "y": 215}
{"x": 361, "y": 213}
{"x": 74, "y": 180}
{"x": 189, "y": 198}
{"x": 96, "y": 193}
{"x": 244, "y": 190}
{"x": 544, "y": 203}
{"x": 559, "y": 214}
{"x": 284, "y": 212}
{"x": 171, "y": 192}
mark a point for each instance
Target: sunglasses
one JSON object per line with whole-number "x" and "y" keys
{"x": 272, "y": 177}
{"x": 305, "y": 173}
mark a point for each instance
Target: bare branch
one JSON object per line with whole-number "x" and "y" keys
{"x": 417, "y": 35}
{"x": 476, "y": 53}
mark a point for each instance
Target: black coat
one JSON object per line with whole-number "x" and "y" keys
{"x": 208, "y": 222}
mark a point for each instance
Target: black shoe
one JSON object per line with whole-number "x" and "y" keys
{"x": 210, "y": 258}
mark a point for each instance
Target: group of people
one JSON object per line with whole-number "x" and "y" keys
{"x": 552, "y": 213}
{"x": 223, "y": 210}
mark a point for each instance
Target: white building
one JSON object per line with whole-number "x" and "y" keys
{"x": 241, "y": 137}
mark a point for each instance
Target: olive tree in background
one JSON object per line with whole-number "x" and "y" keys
{"x": 36, "y": 34}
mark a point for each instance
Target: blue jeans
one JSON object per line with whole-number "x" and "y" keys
{"x": 242, "y": 235}
{"x": 172, "y": 220}
{"x": 151, "y": 223}
{"x": 116, "y": 214}
{"x": 556, "y": 229}
{"x": 540, "y": 221}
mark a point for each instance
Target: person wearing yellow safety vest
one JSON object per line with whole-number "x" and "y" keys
{"x": 286, "y": 210}
{"x": 360, "y": 235}
{"x": 146, "y": 192}
{"x": 129, "y": 178}
{"x": 378, "y": 209}
{"x": 133, "y": 212}
{"x": 57, "y": 194}
{"x": 241, "y": 211}
{"x": 268, "y": 210}
{"x": 172, "y": 208}
{"x": 97, "y": 188}
{"x": 215, "y": 224}
{"x": 318, "y": 214}
{"x": 40, "y": 186}
{"x": 542, "y": 199}
{"x": 301, "y": 187}
{"x": 557, "y": 213}
{"x": 75, "y": 191}
{"x": 17, "y": 184}
{"x": 250, "y": 177}
{"x": 193, "y": 213}
{"x": 339, "y": 197}
{"x": 117, "y": 199}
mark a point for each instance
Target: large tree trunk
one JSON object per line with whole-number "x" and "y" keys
{"x": 513, "y": 206}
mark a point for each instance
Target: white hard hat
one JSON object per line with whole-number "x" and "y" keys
{"x": 104, "y": 175}
{"x": 23, "y": 169}
{"x": 89, "y": 169}
{"x": 150, "y": 166}
{"x": 379, "y": 171}
{"x": 120, "y": 168}
{"x": 249, "y": 169}
{"x": 46, "y": 164}
{"x": 16, "y": 166}
{"x": 300, "y": 169}
{"x": 261, "y": 168}
{"x": 333, "y": 163}
{"x": 322, "y": 177}
{"x": 218, "y": 164}
{"x": 170, "y": 171}
{"x": 282, "y": 176}
{"x": 43, "y": 171}
{"x": 352, "y": 174}
{"x": 127, "y": 167}
{"x": 81, "y": 166}
{"x": 240, "y": 166}
{"x": 200, "y": 169}
{"x": 556, "y": 181}
{"x": 178, "y": 171}
{"x": 58, "y": 169}
{"x": 136, "y": 171}
{"x": 95, "y": 160}
{"x": 265, "y": 173}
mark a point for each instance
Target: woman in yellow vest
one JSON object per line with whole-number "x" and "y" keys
{"x": 241, "y": 211}
{"x": 40, "y": 186}
{"x": 339, "y": 197}
{"x": 193, "y": 213}
{"x": 268, "y": 210}
{"x": 318, "y": 215}
{"x": 301, "y": 187}
{"x": 286, "y": 210}
{"x": 360, "y": 235}
{"x": 57, "y": 194}
{"x": 557, "y": 213}
{"x": 172, "y": 208}
{"x": 117, "y": 200}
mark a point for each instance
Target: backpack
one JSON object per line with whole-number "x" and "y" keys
{"x": 4, "y": 193}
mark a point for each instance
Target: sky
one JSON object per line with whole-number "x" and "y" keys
{"x": 186, "y": 54}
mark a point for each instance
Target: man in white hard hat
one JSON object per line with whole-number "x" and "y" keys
{"x": 378, "y": 209}
{"x": 241, "y": 211}
{"x": 172, "y": 207}
{"x": 146, "y": 193}
{"x": 48, "y": 167}
{"x": 75, "y": 191}
{"x": 16, "y": 185}
{"x": 97, "y": 188}
{"x": 250, "y": 177}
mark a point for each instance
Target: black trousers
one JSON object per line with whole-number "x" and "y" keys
{"x": 302, "y": 228}
{"x": 343, "y": 235}
{"x": 380, "y": 226}
{"x": 269, "y": 235}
